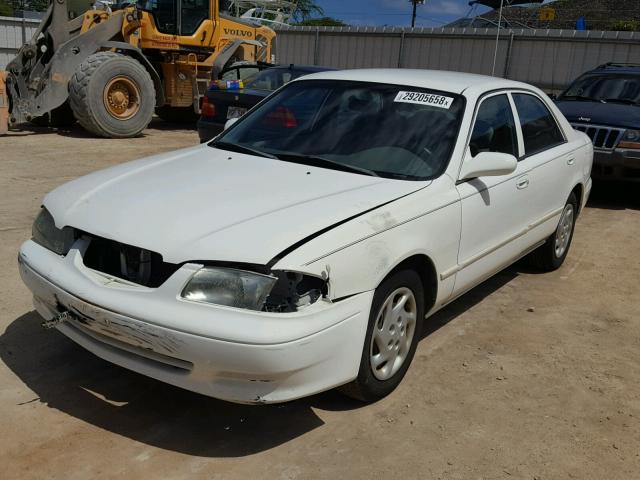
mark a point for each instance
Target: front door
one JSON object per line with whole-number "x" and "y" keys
{"x": 493, "y": 207}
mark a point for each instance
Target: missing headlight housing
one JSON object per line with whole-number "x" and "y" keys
{"x": 294, "y": 290}
{"x": 44, "y": 232}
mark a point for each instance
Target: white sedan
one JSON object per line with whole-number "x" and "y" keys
{"x": 303, "y": 248}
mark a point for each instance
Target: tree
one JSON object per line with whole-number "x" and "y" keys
{"x": 32, "y": 5}
{"x": 322, "y": 22}
{"x": 306, "y": 9}
{"x": 6, "y": 10}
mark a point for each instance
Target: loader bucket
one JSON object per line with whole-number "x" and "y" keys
{"x": 4, "y": 104}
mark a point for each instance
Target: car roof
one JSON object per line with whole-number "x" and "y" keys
{"x": 454, "y": 82}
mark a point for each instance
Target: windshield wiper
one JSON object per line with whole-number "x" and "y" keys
{"x": 236, "y": 147}
{"x": 626, "y": 101}
{"x": 315, "y": 161}
{"x": 580, "y": 97}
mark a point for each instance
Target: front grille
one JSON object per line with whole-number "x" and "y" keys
{"x": 603, "y": 137}
{"x": 134, "y": 264}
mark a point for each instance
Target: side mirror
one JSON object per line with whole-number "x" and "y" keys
{"x": 488, "y": 164}
{"x": 230, "y": 122}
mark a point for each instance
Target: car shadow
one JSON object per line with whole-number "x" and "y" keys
{"x": 66, "y": 377}
{"x": 614, "y": 195}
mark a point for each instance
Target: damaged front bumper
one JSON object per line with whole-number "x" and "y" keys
{"x": 226, "y": 353}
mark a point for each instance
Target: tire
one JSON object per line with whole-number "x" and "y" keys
{"x": 58, "y": 117}
{"x": 374, "y": 383}
{"x": 181, "y": 115}
{"x": 109, "y": 78}
{"x": 551, "y": 255}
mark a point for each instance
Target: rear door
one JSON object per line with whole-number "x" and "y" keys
{"x": 550, "y": 162}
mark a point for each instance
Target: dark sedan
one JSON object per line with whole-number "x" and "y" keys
{"x": 227, "y": 99}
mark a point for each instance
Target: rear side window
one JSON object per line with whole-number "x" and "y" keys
{"x": 495, "y": 128}
{"x": 539, "y": 127}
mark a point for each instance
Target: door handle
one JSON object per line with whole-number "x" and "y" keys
{"x": 571, "y": 160}
{"x": 522, "y": 183}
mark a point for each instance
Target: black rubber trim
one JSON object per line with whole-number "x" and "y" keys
{"x": 308, "y": 238}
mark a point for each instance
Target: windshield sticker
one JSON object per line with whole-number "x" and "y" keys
{"x": 422, "y": 98}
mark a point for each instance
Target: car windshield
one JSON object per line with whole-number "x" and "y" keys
{"x": 607, "y": 88}
{"x": 272, "y": 78}
{"x": 385, "y": 130}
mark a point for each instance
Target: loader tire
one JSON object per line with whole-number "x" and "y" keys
{"x": 58, "y": 117}
{"x": 181, "y": 115}
{"x": 112, "y": 95}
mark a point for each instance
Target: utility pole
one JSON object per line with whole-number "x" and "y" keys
{"x": 415, "y": 6}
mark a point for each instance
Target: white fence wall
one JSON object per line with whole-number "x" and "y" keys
{"x": 13, "y": 33}
{"x": 549, "y": 59}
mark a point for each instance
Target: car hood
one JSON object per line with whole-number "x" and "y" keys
{"x": 202, "y": 203}
{"x": 610, "y": 114}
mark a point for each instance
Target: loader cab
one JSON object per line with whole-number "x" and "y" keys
{"x": 177, "y": 17}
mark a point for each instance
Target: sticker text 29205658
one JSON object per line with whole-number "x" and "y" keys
{"x": 422, "y": 98}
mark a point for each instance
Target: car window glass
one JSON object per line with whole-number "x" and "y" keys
{"x": 194, "y": 12}
{"x": 606, "y": 87}
{"x": 240, "y": 73}
{"x": 165, "y": 14}
{"x": 270, "y": 79}
{"x": 495, "y": 128}
{"x": 396, "y": 131}
{"x": 539, "y": 128}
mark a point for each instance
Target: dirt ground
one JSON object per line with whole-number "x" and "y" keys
{"x": 529, "y": 376}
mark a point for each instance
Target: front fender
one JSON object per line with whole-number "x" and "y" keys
{"x": 359, "y": 254}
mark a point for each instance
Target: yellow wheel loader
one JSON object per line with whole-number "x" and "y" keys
{"x": 116, "y": 64}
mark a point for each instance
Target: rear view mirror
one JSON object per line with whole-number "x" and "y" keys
{"x": 230, "y": 122}
{"x": 488, "y": 164}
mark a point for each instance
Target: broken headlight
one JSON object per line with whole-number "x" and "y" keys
{"x": 295, "y": 290}
{"x": 280, "y": 292}
{"x": 230, "y": 287}
{"x": 45, "y": 233}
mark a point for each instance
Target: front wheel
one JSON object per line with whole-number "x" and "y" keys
{"x": 395, "y": 323}
{"x": 112, "y": 95}
{"x": 551, "y": 255}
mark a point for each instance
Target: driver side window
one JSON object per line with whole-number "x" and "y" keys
{"x": 495, "y": 128}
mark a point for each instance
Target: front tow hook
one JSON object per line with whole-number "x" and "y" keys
{"x": 57, "y": 320}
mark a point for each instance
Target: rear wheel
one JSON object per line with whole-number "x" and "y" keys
{"x": 551, "y": 255}
{"x": 395, "y": 323}
{"x": 112, "y": 95}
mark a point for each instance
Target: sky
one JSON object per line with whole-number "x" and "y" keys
{"x": 434, "y": 13}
